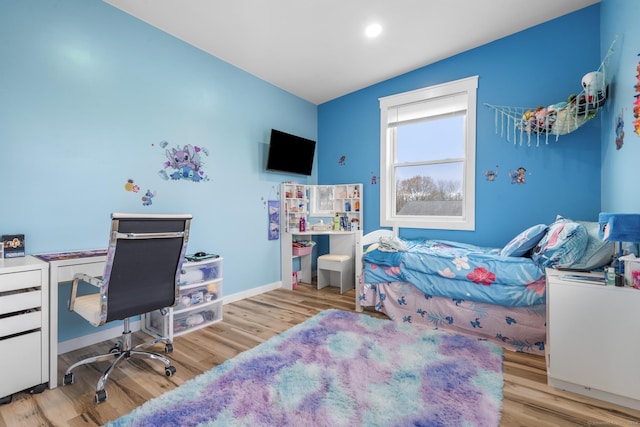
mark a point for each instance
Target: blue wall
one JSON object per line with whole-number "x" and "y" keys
{"x": 538, "y": 66}
{"x": 621, "y": 18}
{"x": 87, "y": 95}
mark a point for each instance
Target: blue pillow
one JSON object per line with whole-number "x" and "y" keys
{"x": 525, "y": 241}
{"x": 562, "y": 245}
{"x": 597, "y": 252}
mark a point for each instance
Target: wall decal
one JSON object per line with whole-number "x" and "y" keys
{"x": 342, "y": 160}
{"x": 131, "y": 186}
{"x": 374, "y": 178}
{"x": 491, "y": 175}
{"x": 146, "y": 199}
{"x": 183, "y": 163}
{"x": 619, "y": 131}
{"x": 274, "y": 219}
{"x": 518, "y": 176}
{"x": 636, "y": 103}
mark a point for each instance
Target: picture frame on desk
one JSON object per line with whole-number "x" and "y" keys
{"x": 13, "y": 245}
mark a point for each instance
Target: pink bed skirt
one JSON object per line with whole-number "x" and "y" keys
{"x": 515, "y": 328}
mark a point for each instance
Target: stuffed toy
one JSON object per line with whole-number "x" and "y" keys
{"x": 593, "y": 85}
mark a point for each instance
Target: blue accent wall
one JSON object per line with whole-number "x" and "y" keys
{"x": 539, "y": 66}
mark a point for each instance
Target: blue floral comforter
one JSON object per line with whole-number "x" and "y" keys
{"x": 459, "y": 271}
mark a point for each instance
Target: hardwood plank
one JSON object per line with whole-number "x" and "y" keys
{"x": 528, "y": 400}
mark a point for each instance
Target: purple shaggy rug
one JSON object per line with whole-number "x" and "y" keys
{"x": 342, "y": 369}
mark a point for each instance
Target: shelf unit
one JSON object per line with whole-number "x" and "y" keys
{"x": 345, "y": 200}
{"x": 200, "y": 301}
{"x": 295, "y": 202}
{"x": 322, "y": 201}
{"x": 318, "y": 203}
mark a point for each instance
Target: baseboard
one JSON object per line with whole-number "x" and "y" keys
{"x": 96, "y": 337}
{"x": 116, "y": 331}
{"x": 251, "y": 292}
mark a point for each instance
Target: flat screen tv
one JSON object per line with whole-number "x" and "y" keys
{"x": 290, "y": 153}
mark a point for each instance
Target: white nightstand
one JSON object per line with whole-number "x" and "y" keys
{"x": 593, "y": 339}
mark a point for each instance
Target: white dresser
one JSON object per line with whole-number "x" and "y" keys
{"x": 593, "y": 341}
{"x": 24, "y": 325}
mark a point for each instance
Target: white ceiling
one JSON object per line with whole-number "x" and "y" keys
{"x": 316, "y": 49}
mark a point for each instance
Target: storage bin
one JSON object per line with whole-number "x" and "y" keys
{"x": 300, "y": 251}
{"x": 192, "y": 296}
{"x": 192, "y": 319}
{"x": 201, "y": 271}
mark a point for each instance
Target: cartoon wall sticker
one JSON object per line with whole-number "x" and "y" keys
{"x": 374, "y": 178}
{"x": 619, "y": 131}
{"x": 183, "y": 163}
{"x": 518, "y": 176}
{"x": 342, "y": 160}
{"x": 146, "y": 199}
{"x": 491, "y": 175}
{"x": 636, "y": 103}
{"x": 131, "y": 186}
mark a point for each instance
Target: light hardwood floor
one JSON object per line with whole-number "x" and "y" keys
{"x": 528, "y": 401}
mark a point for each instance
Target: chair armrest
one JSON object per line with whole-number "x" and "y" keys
{"x": 94, "y": 281}
{"x": 82, "y": 277}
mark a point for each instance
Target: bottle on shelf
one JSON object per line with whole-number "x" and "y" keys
{"x": 357, "y": 205}
{"x": 336, "y": 223}
{"x": 303, "y": 224}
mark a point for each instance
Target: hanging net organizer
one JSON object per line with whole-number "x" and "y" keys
{"x": 521, "y": 123}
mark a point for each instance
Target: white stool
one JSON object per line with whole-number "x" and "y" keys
{"x": 336, "y": 270}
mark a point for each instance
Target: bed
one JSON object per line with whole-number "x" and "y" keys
{"x": 498, "y": 294}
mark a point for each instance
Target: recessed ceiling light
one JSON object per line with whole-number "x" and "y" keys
{"x": 373, "y": 30}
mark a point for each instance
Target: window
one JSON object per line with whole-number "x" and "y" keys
{"x": 427, "y": 157}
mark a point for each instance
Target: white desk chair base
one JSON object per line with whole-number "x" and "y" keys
{"x": 336, "y": 270}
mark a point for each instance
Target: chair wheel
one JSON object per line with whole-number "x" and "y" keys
{"x": 114, "y": 350}
{"x": 101, "y": 396}
{"x": 168, "y": 348}
{"x": 170, "y": 371}
{"x": 68, "y": 379}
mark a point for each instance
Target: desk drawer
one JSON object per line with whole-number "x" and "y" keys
{"x": 66, "y": 272}
{"x": 22, "y": 322}
{"x": 21, "y": 358}
{"x": 20, "y": 301}
{"x": 20, "y": 280}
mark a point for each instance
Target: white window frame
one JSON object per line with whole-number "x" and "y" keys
{"x": 388, "y": 217}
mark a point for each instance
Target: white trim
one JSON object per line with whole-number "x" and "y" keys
{"x": 388, "y": 218}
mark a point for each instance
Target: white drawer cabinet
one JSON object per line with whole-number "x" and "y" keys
{"x": 24, "y": 325}
{"x": 200, "y": 302}
{"x": 593, "y": 344}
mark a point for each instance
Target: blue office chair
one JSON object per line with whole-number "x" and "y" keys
{"x": 144, "y": 261}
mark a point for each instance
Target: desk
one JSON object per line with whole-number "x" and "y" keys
{"x": 340, "y": 242}
{"x": 62, "y": 268}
